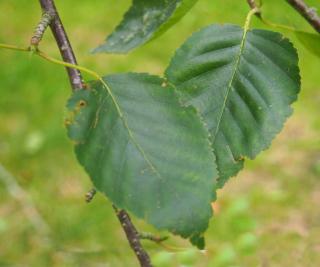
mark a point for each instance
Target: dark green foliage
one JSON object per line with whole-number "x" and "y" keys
{"x": 198, "y": 241}
{"x": 145, "y": 20}
{"x": 151, "y": 154}
{"x": 146, "y": 152}
{"x": 31, "y": 138}
{"x": 243, "y": 83}
{"x": 151, "y": 144}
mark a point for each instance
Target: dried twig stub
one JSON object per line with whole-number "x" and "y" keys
{"x": 45, "y": 21}
{"x": 90, "y": 195}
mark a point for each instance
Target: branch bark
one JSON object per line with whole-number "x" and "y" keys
{"x": 133, "y": 237}
{"x": 309, "y": 13}
{"x": 76, "y": 81}
{"x": 63, "y": 43}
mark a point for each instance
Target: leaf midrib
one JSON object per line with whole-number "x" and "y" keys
{"x": 130, "y": 133}
{"x": 234, "y": 72}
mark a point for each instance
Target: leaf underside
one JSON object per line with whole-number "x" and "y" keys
{"x": 146, "y": 152}
{"x": 243, "y": 83}
{"x": 145, "y": 20}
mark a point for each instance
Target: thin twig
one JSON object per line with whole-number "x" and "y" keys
{"x": 77, "y": 83}
{"x": 63, "y": 43}
{"x": 90, "y": 195}
{"x": 152, "y": 237}
{"x": 39, "y": 31}
{"x": 126, "y": 223}
{"x": 309, "y": 13}
{"x": 133, "y": 237}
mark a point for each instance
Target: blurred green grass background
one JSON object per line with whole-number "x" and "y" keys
{"x": 268, "y": 216}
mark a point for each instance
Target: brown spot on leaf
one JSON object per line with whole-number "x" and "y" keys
{"x": 82, "y": 103}
{"x": 67, "y": 122}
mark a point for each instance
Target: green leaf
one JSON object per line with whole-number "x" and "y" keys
{"x": 146, "y": 152}
{"x": 198, "y": 241}
{"x": 243, "y": 83}
{"x": 145, "y": 20}
{"x": 310, "y": 41}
